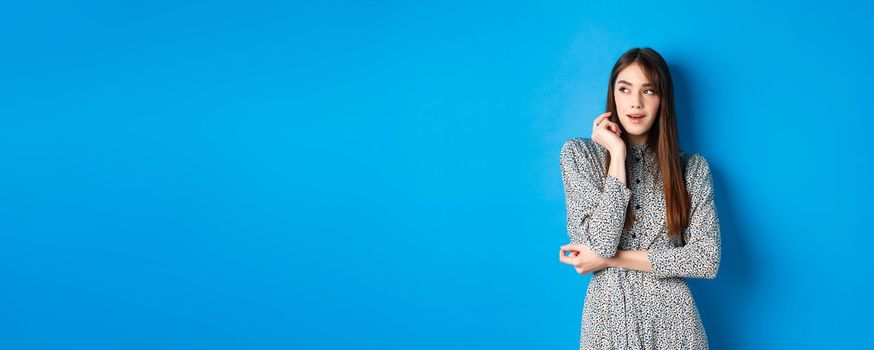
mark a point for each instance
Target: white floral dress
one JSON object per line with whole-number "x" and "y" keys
{"x": 630, "y": 309}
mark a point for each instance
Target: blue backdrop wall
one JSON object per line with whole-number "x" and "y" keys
{"x": 376, "y": 175}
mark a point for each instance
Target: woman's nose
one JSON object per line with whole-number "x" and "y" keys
{"x": 637, "y": 101}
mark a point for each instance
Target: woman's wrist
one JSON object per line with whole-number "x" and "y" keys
{"x": 618, "y": 151}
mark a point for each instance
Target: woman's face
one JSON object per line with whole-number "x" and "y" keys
{"x": 635, "y": 95}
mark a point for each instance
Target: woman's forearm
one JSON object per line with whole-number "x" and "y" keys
{"x": 617, "y": 166}
{"x": 630, "y": 259}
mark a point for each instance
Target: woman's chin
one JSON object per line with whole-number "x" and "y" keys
{"x": 635, "y": 129}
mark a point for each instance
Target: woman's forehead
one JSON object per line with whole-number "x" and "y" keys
{"x": 633, "y": 75}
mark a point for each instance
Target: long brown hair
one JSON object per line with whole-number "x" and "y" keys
{"x": 661, "y": 137}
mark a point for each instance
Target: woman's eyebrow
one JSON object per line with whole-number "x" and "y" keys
{"x": 625, "y": 82}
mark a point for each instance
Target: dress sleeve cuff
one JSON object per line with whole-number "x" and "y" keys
{"x": 656, "y": 260}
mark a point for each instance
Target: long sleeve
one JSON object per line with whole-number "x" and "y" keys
{"x": 700, "y": 257}
{"x": 595, "y": 207}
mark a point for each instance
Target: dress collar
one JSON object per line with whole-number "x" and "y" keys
{"x": 640, "y": 148}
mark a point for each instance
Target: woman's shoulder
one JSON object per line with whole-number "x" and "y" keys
{"x": 582, "y": 146}
{"x": 584, "y": 152}
{"x": 695, "y": 163}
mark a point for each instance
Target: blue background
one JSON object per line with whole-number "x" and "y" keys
{"x": 375, "y": 175}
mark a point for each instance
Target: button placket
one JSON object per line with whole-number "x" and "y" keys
{"x": 639, "y": 170}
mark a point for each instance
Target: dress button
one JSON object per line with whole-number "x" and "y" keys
{"x": 638, "y": 180}
{"x": 633, "y": 235}
{"x": 637, "y": 206}
{"x": 636, "y": 159}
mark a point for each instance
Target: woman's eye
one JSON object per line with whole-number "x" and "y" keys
{"x": 647, "y": 91}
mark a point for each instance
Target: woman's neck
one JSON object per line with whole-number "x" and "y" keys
{"x": 637, "y": 140}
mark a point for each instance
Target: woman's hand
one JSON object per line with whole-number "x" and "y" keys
{"x": 583, "y": 259}
{"x": 606, "y": 133}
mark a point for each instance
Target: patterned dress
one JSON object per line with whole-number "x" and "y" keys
{"x": 625, "y": 308}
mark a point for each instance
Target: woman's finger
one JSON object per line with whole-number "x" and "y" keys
{"x": 601, "y": 117}
{"x": 597, "y": 122}
{"x": 604, "y": 120}
{"x": 568, "y": 259}
{"x": 608, "y": 125}
{"x": 614, "y": 127}
{"x": 563, "y": 258}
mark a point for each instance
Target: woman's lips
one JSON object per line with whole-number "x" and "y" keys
{"x": 635, "y": 119}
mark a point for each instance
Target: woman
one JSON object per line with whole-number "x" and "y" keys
{"x": 641, "y": 216}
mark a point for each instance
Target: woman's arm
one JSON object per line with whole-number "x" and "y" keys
{"x": 594, "y": 215}
{"x": 630, "y": 259}
{"x": 700, "y": 257}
